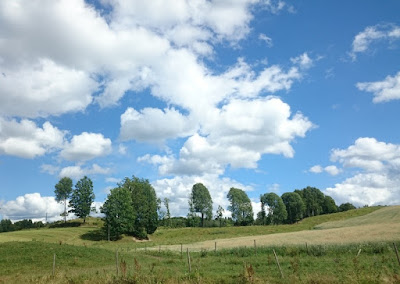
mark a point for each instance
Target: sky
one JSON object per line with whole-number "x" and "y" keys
{"x": 262, "y": 95}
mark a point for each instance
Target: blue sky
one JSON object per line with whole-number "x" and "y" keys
{"x": 258, "y": 94}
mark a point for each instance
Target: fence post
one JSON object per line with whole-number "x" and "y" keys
{"x": 188, "y": 257}
{"x": 397, "y": 252}
{"x": 54, "y": 264}
{"x": 277, "y": 262}
{"x": 116, "y": 260}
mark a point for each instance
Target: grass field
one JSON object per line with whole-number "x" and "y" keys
{"x": 349, "y": 247}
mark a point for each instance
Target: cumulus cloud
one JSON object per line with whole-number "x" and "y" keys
{"x": 77, "y": 172}
{"x": 238, "y": 134}
{"x": 86, "y": 146}
{"x": 178, "y": 189}
{"x": 37, "y": 208}
{"x": 363, "y": 40}
{"x": 384, "y": 91}
{"x": 152, "y": 124}
{"x": 332, "y": 170}
{"x": 32, "y": 206}
{"x": 26, "y": 140}
{"x": 377, "y": 183}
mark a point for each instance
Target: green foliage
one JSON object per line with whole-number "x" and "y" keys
{"x": 276, "y": 208}
{"x": 329, "y": 205}
{"x": 294, "y": 206}
{"x": 82, "y": 198}
{"x": 144, "y": 204}
{"x": 241, "y": 208}
{"x": 200, "y": 202}
{"x": 120, "y": 215}
{"x": 220, "y": 212}
{"x": 346, "y": 207}
{"x": 313, "y": 199}
{"x": 63, "y": 190}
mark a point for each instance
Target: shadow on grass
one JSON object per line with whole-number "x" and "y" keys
{"x": 95, "y": 235}
{"x": 65, "y": 225}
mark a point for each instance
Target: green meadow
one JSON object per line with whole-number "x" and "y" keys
{"x": 337, "y": 248}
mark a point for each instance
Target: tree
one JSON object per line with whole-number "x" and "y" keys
{"x": 329, "y": 205}
{"x": 120, "y": 216}
{"x": 219, "y": 215}
{"x": 82, "y": 198}
{"x": 314, "y": 199}
{"x": 241, "y": 208}
{"x": 276, "y": 208}
{"x": 346, "y": 207}
{"x": 144, "y": 204}
{"x": 201, "y": 202}
{"x": 63, "y": 190}
{"x": 294, "y": 206}
{"x": 168, "y": 214}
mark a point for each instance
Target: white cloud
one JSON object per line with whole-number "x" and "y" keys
{"x": 38, "y": 208}
{"x": 178, "y": 189}
{"x": 50, "y": 169}
{"x": 378, "y": 182}
{"x": 384, "y": 91}
{"x": 363, "y": 40}
{"x": 316, "y": 169}
{"x": 86, "y": 146}
{"x": 332, "y": 170}
{"x": 277, "y": 6}
{"x": 32, "y": 206}
{"x": 303, "y": 61}
{"x": 45, "y": 89}
{"x": 368, "y": 154}
{"x": 266, "y": 39}
{"x": 237, "y": 135}
{"x": 24, "y": 139}
{"x": 152, "y": 124}
{"x": 77, "y": 172}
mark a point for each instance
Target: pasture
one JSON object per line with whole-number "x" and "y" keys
{"x": 348, "y": 247}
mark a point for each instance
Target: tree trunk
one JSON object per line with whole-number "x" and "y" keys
{"x": 65, "y": 210}
{"x": 202, "y": 219}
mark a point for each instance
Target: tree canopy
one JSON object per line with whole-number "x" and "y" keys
{"x": 63, "y": 190}
{"x": 313, "y": 199}
{"x": 120, "y": 216}
{"x": 241, "y": 208}
{"x": 82, "y": 198}
{"x": 144, "y": 204}
{"x": 276, "y": 208}
{"x": 294, "y": 206}
{"x": 200, "y": 201}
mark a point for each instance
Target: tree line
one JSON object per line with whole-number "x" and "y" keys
{"x": 132, "y": 208}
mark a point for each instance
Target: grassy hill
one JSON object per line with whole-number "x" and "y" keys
{"x": 27, "y": 256}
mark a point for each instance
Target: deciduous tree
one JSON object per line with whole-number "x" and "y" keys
{"x": 63, "y": 190}
{"x": 241, "y": 208}
{"x": 276, "y": 208}
{"x": 294, "y": 206}
{"x": 201, "y": 202}
{"x": 82, "y": 198}
{"x": 144, "y": 203}
{"x": 120, "y": 216}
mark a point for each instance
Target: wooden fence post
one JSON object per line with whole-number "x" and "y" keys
{"x": 188, "y": 257}
{"x": 54, "y": 264}
{"x": 116, "y": 261}
{"x": 397, "y": 252}
{"x": 277, "y": 262}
